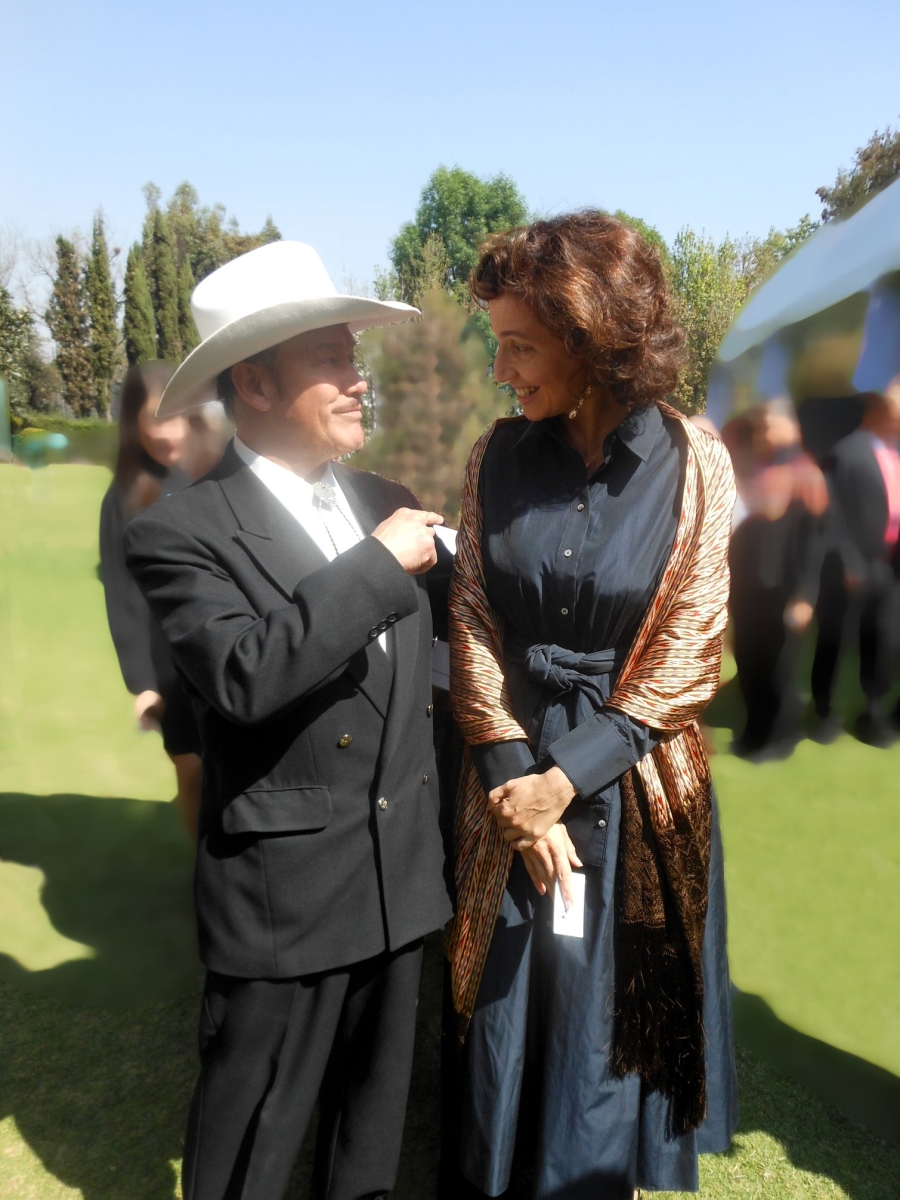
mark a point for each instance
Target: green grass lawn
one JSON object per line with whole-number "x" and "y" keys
{"x": 98, "y": 974}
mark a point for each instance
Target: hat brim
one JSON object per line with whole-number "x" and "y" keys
{"x": 194, "y": 382}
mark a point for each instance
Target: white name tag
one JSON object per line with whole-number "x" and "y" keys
{"x": 571, "y": 923}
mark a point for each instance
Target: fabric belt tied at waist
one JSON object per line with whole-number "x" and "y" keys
{"x": 576, "y": 685}
{"x": 561, "y": 670}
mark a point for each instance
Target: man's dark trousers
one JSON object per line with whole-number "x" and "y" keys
{"x": 269, "y": 1046}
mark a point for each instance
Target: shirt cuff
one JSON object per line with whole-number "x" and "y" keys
{"x": 498, "y": 762}
{"x": 601, "y": 749}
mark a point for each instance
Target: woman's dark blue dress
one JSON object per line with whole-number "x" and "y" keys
{"x": 570, "y": 565}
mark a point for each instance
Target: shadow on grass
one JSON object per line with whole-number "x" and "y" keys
{"x": 99, "y": 1054}
{"x": 815, "y": 1137}
{"x": 862, "y": 1091}
{"x": 118, "y": 879}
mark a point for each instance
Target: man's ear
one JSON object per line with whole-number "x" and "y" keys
{"x": 253, "y": 384}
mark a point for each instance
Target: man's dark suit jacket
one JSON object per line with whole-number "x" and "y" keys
{"x": 319, "y": 838}
{"x": 859, "y": 496}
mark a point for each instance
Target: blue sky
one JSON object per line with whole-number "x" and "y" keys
{"x": 332, "y": 116}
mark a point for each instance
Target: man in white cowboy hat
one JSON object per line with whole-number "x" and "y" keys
{"x": 292, "y": 591}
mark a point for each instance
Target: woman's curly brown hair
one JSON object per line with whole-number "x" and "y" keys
{"x": 598, "y": 286}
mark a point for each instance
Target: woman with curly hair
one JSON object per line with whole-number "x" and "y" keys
{"x": 587, "y": 610}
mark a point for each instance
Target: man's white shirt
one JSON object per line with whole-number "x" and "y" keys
{"x": 333, "y": 533}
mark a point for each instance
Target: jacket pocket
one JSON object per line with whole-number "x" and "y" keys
{"x": 278, "y": 810}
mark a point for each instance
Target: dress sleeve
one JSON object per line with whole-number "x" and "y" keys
{"x": 601, "y": 749}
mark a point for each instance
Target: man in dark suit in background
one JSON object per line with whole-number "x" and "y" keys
{"x": 292, "y": 591}
{"x": 863, "y": 473}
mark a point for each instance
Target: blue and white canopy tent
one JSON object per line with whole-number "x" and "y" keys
{"x": 824, "y": 328}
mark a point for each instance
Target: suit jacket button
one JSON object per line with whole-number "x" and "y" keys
{"x": 392, "y": 618}
{"x": 373, "y": 633}
{"x": 382, "y": 804}
{"x": 425, "y": 777}
{"x": 429, "y": 710}
{"x": 345, "y": 741}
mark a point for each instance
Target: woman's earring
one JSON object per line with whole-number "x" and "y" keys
{"x": 574, "y": 413}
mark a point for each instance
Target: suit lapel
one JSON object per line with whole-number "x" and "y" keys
{"x": 285, "y": 553}
{"x": 275, "y": 540}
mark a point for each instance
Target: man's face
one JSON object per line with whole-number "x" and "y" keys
{"x": 317, "y": 395}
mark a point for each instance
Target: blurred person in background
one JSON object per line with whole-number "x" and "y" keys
{"x": 775, "y": 558}
{"x": 587, "y": 608}
{"x": 148, "y": 467}
{"x": 859, "y": 579}
{"x": 208, "y": 436}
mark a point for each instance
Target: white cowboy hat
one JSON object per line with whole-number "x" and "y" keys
{"x": 258, "y": 300}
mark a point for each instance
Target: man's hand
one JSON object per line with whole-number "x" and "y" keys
{"x": 526, "y": 808}
{"x": 148, "y": 709}
{"x": 409, "y": 536}
{"x": 550, "y": 858}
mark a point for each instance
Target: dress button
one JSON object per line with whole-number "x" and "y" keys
{"x": 601, "y": 824}
{"x": 345, "y": 741}
{"x": 580, "y": 508}
{"x": 425, "y": 777}
{"x": 564, "y": 611}
{"x": 382, "y": 804}
{"x": 429, "y": 710}
{"x": 567, "y": 553}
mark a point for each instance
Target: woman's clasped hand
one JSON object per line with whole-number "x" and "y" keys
{"x": 527, "y": 812}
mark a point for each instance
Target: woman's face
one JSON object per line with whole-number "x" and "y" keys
{"x": 532, "y": 360}
{"x": 163, "y": 440}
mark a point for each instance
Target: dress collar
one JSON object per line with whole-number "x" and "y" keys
{"x": 279, "y": 479}
{"x": 638, "y": 431}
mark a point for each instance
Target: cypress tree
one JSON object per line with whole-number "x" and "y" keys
{"x": 68, "y": 320}
{"x": 190, "y": 338}
{"x": 162, "y": 277}
{"x": 16, "y": 343}
{"x": 102, "y": 307}
{"x": 139, "y": 323}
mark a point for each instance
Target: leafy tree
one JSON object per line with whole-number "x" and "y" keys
{"x": 69, "y": 324}
{"x": 206, "y": 236}
{"x": 709, "y": 290}
{"x": 875, "y": 165}
{"x": 433, "y": 398}
{"x": 190, "y": 338}
{"x": 460, "y": 211}
{"x": 139, "y": 326}
{"x": 760, "y": 256}
{"x": 102, "y": 309}
{"x": 162, "y": 278}
{"x": 710, "y": 283}
{"x": 16, "y": 337}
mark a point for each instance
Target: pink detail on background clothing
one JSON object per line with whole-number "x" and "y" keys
{"x": 889, "y": 465}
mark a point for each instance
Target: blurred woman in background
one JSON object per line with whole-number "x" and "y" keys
{"x": 776, "y": 557}
{"x": 148, "y": 467}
